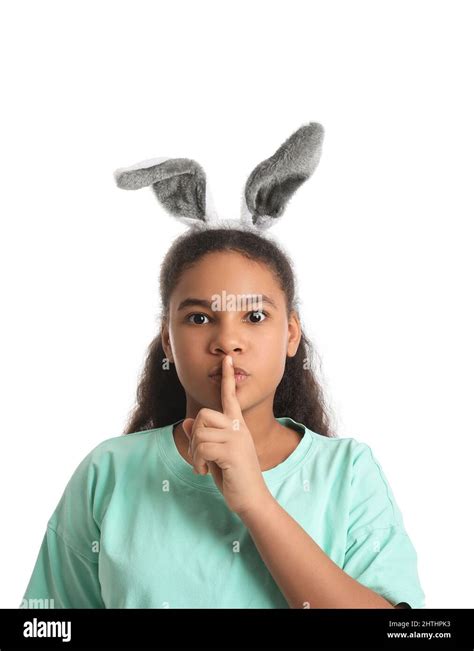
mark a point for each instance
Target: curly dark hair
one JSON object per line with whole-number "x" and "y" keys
{"x": 161, "y": 399}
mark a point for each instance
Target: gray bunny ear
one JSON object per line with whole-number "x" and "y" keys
{"x": 178, "y": 183}
{"x": 274, "y": 181}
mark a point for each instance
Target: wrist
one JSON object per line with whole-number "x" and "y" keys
{"x": 262, "y": 505}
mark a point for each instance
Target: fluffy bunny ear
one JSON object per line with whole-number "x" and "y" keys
{"x": 178, "y": 183}
{"x": 274, "y": 181}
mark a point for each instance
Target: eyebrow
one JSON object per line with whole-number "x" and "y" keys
{"x": 204, "y": 303}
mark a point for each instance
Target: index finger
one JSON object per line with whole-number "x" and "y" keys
{"x": 230, "y": 403}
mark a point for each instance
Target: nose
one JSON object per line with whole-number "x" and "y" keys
{"x": 227, "y": 340}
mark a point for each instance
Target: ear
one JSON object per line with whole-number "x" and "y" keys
{"x": 178, "y": 183}
{"x": 274, "y": 181}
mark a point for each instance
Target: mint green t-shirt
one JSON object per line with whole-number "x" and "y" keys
{"x": 137, "y": 528}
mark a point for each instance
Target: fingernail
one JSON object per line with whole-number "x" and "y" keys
{"x": 231, "y": 361}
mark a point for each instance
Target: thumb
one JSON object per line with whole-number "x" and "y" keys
{"x": 188, "y": 426}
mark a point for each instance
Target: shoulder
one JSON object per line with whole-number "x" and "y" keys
{"x": 353, "y": 450}
{"x": 122, "y": 449}
{"x": 343, "y": 451}
{"x": 112, "y": 462}
{"x": 351, "y": 463}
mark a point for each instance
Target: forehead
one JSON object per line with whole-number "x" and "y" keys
{"x": 230, "y": 271}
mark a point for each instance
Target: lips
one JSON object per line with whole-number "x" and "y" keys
{"x": 217, "y": 371}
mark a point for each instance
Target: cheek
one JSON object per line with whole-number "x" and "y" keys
{"x": 185, "y": 339}
{"x": 186, "y": 357}
{"x": 269, "y": 355}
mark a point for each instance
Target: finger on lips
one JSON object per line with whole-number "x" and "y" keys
{"x": 230, "y": 407}
{"x": 230, "y": 403}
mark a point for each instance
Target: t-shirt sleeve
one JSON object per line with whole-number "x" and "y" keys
{"x": 379, "y": 553}
{"x": 62, "y": 577}
{"x": 66, "y": 571}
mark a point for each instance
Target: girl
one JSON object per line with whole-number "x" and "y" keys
{"x": 229, "y": 488}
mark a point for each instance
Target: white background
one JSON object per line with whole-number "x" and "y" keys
{"x": 381, "y": 235}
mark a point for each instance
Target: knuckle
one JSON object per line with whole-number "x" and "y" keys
{"x": 198, "y": 433}
{"x": 199, "y": 447}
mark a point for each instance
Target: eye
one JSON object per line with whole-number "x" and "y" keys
{"x": 200, "y": 314}
{"x": 259, "y": 312}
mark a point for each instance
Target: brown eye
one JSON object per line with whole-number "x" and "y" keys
{"x": 259, "y": 312}
{"x": 198, "y": 314}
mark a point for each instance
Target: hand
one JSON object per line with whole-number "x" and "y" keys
{"x": 222, "y": 443}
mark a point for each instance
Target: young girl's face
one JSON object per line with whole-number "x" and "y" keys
{"x": 196, "y": 338}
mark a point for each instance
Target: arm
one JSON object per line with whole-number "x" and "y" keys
{"x": 306, "y": 576}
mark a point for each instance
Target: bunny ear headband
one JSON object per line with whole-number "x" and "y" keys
{"x": 181, "y": 188}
